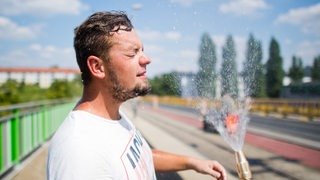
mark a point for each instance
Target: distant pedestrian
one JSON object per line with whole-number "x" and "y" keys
{"x": 135, "y": 106}
{"x": 203, "y": 109}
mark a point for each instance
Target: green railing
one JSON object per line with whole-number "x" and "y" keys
{"x": 25, "y": 127}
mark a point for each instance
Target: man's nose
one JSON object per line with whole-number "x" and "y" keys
{"x": 144, "y": 59}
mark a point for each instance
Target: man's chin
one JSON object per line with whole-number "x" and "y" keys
{"x": 145, "y": 91}
{"x": 142, "y": 91}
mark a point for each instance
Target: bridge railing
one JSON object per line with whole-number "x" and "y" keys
{"x": 25, "y": 127}
{"x": 285, "y": 107}
{"x": 310, "y": 109}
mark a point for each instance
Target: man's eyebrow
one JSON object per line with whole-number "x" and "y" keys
{"x": 134, "y": 46}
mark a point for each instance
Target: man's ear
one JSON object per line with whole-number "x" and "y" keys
{"x": 96, "y": 67}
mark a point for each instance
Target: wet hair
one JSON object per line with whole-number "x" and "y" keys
{"x": 92, "y": 37}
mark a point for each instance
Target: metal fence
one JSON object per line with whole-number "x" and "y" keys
{"x": 25, "y": 127}
{"x": 310, "y": 109}
{"x": 285, "y": 107}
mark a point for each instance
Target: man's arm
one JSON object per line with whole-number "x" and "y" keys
{"x": 167, "y": 162}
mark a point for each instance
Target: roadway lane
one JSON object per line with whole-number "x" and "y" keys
{"x": 289, "y": 130}
{"x": 265, "y": 163}
{"x": 307, "y": 130}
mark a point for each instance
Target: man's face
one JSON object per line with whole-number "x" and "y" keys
{"x": 126, "y": 69}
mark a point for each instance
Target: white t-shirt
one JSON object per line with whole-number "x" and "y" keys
{"x": 90, "y": 147}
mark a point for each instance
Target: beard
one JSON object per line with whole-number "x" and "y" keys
{"x": 120, "y": 93}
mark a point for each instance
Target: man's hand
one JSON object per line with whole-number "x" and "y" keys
{"x": 168, "y": 162}
{"x": 210, "y": 167}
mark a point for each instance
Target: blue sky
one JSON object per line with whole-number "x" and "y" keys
{"x": 39, "y": 33}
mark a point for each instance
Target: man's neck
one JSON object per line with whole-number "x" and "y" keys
{"x": 101, "y": 106}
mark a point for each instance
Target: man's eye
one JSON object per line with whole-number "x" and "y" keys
{"x": 130, "y": 55}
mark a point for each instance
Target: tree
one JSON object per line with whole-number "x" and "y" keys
{"x": 229, "y": 73}
{"x": 253, "y": 73}
{"x": 275, "y": 72}
{"x": 315, "y": 71}
{"x": 206, "y": 76}
{"x": 9, "y": 92}
{"x": 166, "y": 84}
{"x": 31, "y": 92}
{"x": 13, "y": 92}
{"x": 296, "y": 69}
{"x": 64, "y": 89}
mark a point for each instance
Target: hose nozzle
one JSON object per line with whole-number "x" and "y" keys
{"x": 242, "y": 165}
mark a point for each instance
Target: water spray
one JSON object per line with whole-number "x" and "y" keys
{"x": 231, "y": 120}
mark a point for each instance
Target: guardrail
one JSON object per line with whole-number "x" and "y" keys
{"x": 309, "y": 109}
{"x": 25, "y": 127}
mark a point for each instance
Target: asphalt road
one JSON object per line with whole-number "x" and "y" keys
{"x": 289, "y": 130}
{"x": 309, "y": 131}
{"x": 265, "y": 163}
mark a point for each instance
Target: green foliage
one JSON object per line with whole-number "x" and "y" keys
{"x": 206, "y": 76}
{"x": 9, "y": 92}
{"x": 315, "y": 72}
{"x": 275, "y": 72}
{"x": 13, "y": 92}
{"x": 296, "y": 69}
{"x": 165, "y": 85}
{"x": 253, "y": 72}
{"x": 229, "y": 73}
{"x": 64, "y": 89}
{"x": 31, "y": 92}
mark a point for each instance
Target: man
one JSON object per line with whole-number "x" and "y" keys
{"x": 96, "y": 141}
